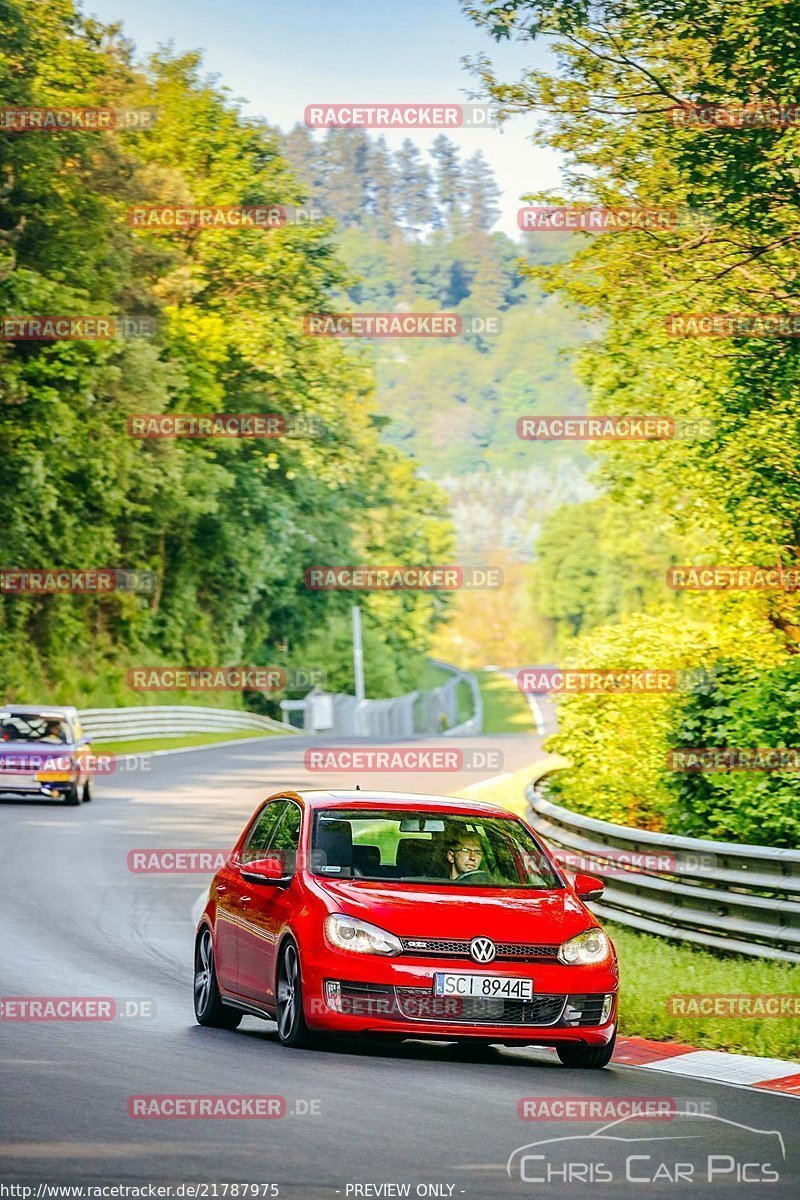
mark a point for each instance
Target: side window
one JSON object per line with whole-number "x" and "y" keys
{"x": 259, "y": 837}
{"x": 286, "y": 840}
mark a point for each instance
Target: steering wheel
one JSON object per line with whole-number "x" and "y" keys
{"x": 476, "y": 876}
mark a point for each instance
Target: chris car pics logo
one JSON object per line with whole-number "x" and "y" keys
{"x": 697, "y": 1149}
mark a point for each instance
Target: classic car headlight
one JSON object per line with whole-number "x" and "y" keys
{"x": 591, "y": 946}
{"x": 348, "y": 933}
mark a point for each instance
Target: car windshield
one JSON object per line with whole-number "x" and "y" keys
{"x": 446, "y": 849}
{"x": 32, "y": 727}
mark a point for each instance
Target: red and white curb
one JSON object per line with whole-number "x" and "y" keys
{"x": 744, "y": 1070}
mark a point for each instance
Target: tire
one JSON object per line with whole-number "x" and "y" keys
{"x": 208, "y": 1006}
{"x": 87, "y": 792}
{"x": 292, "y": 1028}
{"x": 73, "y": 796}
{"x": 591, "y": 1057}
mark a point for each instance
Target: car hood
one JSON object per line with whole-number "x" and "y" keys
{"x": 415, "y": 910}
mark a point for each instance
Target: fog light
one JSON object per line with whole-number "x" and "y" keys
{"x": 608, "y": 1004}
{"x": 333, "y": 995}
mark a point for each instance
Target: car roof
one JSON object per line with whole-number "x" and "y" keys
{"x": 402, "y": 801}
{"x": 40, "y": 710}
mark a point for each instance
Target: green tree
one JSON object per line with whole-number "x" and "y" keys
{"x": 447, "y": 177}
{"x": 481, "y": 194}
{"x": 414, "y": 183}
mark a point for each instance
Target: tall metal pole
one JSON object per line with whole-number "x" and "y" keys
{"x": 358, "y": 653}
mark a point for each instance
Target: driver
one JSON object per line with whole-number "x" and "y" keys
{"x": 465, "y": 855}
{"x": 53, "y": 732}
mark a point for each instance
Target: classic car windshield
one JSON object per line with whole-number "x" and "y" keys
{"x": 32, "y": 727}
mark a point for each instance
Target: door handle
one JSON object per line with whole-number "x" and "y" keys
{"x": 244, "y": 901}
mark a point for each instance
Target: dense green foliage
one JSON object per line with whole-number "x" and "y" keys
{"x": 227, "y": 525}
{"x": 730, "y": 497}
{"x": 417, "y": 234}
{"x": 741, "y": 707}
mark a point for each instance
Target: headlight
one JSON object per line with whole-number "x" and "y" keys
{"x": 592, "y": 946}
{"x": 348, "y": 933}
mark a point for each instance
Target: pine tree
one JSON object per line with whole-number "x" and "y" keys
{"x": 382, "y": 187}
{"x": 346, "y": 158}
{"x": 447, "y": 176}
{"x": 304, "y": 153}
{"x": 481, "y": 193}
{"x": 414, "y": 187}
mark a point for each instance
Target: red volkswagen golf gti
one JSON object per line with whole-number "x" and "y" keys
{"x": 404, "y": 915}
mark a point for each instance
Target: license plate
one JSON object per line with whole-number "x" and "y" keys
{"x": 16, "y": 783}
{"x": 488, "y": 987}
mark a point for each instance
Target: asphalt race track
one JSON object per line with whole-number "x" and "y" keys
{"x": 441, "y": 1119}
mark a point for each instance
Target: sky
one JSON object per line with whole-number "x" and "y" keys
{"x": 280, "y": 57}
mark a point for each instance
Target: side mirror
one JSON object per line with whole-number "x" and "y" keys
{"x": 587, "y": 887}
{"x": 265, "y": 870}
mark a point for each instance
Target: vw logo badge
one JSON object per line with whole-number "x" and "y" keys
{"x": 482, "y": 949}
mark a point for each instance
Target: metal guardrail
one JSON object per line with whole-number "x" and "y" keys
{"x": 341, "y": 715}
{"x": 743, "y": 899}
{"x": 416, "y": 713}
{"x": 143, "y": 721}
{"x": 448, "y": 691}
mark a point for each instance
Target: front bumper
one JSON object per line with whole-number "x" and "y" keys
{"x": 344, "y": 993}
{"x": 51, "y": 790}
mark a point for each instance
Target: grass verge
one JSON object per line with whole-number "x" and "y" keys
{"x": 142, "y": 745}
{"x": 505, "y": 709}
{"x": 652, "y": 969}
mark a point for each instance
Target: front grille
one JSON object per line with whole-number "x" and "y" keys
{"x": 459, "y": 948}
{"x": 419, "y": 1004}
